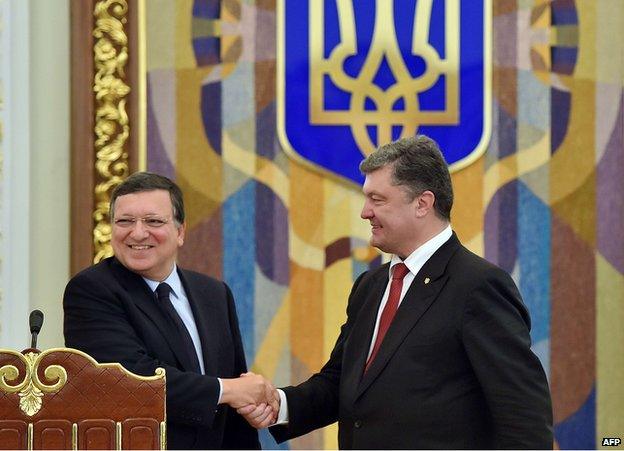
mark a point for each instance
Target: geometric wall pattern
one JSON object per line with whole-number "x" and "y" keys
{"x": 544, "y": 202}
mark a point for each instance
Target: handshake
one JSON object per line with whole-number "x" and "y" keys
{"x": 253, "y": 397}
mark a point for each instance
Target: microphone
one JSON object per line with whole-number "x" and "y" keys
{"x": 36, "y": 321}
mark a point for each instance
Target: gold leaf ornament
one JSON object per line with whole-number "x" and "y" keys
{"x": 30, "y": 400}
{"x": 112, "y": 127}
{"x": 31, "y": 389}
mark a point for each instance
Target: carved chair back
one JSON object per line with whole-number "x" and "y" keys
{"x": 63, "y": 399}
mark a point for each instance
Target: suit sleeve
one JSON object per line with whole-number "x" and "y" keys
{"x": 97, "y": 323}
{"x": 314, "y": 403}
{"x": 238, "y": 433}
{"x": 496, "y": 338}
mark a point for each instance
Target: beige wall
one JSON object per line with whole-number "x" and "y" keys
{"x": 50, "y": 168}
{"x": 35, "y": 168}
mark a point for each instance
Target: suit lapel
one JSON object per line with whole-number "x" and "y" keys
{"x": 422, "y": 293}
{"x": 358, "y": 343}
{"x": 140, "y": 293}
{"x": 204, "y": 319}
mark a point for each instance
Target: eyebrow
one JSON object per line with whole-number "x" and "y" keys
{"x": 147, "y": 215}
{"x": 374, "y": 193}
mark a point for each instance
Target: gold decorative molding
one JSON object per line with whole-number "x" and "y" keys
{"x": 74, "y": 437}
{"x": 30, "y": 435}
{"x": 163, "y": 435}
{"x": 31, "y": 389}
{"x": 118, "y": 440}
{"x": 112, "y": 127}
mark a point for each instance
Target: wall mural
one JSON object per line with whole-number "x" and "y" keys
{"x": 544, "y": 200}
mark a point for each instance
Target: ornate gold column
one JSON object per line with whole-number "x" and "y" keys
{"x": 108, "y": 120}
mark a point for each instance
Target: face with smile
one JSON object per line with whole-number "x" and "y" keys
{"x": 395, "y": 219}
{"x": 140, "y": 239}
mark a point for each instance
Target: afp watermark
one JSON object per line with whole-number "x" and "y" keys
{"x": 611, "y": 441}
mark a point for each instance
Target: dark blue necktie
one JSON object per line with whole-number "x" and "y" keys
{"x": 164, "y": 301}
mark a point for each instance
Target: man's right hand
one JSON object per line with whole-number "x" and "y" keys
{"x": 260, "y": 416}
{"x": 250, "y": 389}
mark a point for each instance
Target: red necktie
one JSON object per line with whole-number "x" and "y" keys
{"x": 398, "y": 273}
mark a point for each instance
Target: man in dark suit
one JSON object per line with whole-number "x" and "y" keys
{"x": 435, "y": 352}
{"x": 138, "y": 308}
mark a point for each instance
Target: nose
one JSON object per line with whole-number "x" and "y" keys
{"x": 367, "y": 211}
{"x": 139, "y": 230}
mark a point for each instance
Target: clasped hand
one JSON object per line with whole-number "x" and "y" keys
{"x": 254, "y": 397}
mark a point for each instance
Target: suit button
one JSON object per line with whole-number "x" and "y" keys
{"x": 357, "y": 424}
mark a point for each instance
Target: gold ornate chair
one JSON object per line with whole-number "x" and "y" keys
{"x": 63, "y": 399}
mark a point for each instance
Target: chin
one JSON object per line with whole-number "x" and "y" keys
{"x": 139, "y": 266}
{"x": 382, "y": 246}
{"x": 376, "y": 244}
{"x": 140, "y": 271}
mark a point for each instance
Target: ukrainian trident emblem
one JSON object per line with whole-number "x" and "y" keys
{"x": 355, "y": 74}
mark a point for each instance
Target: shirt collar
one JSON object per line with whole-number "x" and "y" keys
{"x": 173, "y": 280}
{"x": 419, "y": 257}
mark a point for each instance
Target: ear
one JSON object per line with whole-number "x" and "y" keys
{"x": 424, "y": 203}
{"x": 181, "y": 232}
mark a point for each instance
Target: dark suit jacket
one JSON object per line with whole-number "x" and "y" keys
{"x": 455, "y": 369}
{"x": 111, "y": 314}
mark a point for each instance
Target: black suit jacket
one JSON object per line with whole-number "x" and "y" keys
{"x": 111, "y": 314}
{"x": 455, "y": 369}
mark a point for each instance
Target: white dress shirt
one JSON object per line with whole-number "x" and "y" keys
{"x": 414, "y": 262}
{"x": 183, "y": 307}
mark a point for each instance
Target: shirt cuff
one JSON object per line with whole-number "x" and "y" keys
{"x": 282, "y": 416}
{"x": 220, "y": 390}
